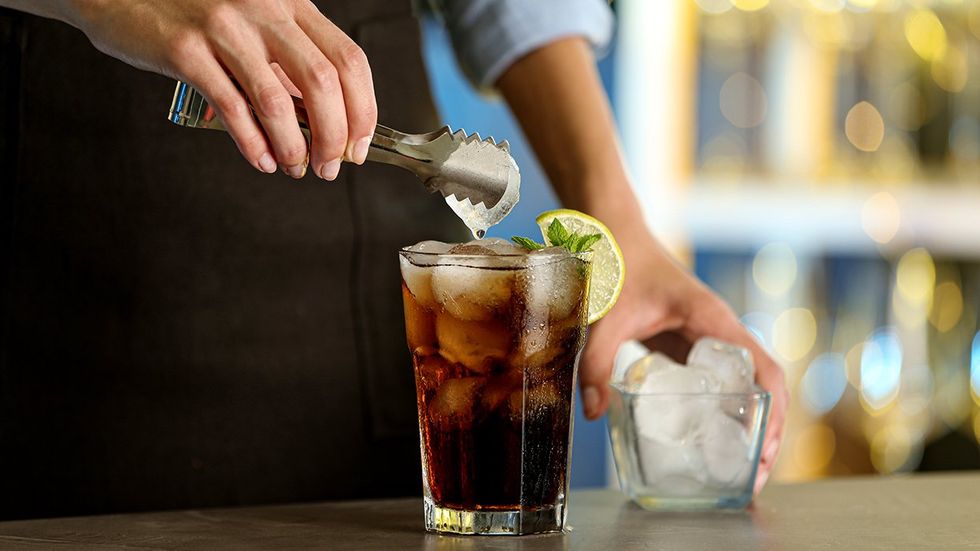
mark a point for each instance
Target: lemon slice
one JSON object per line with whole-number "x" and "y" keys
{"x": 608, "y": 267}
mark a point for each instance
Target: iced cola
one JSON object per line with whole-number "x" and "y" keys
{"x": 495, "y": 333}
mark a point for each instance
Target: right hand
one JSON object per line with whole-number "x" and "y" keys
{"x": 271, "y": 48}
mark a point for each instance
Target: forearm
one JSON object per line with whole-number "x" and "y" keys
{"x": 557, "y": 96}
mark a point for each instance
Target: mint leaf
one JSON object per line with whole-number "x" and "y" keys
{"x": 585, "y": 242}
{"x": 528, "y": 244}
{"x": 557, "y": 233}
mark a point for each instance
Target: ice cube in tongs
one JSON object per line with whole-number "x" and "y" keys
{"x": 478, "y": 178}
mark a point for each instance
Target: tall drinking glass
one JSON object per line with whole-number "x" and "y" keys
{"x": 495, "y": 341}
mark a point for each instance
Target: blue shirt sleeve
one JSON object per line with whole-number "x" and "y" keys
{"x": 490, "y": 35}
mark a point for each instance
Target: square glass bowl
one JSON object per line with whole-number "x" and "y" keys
{"x": 687, "y": 451}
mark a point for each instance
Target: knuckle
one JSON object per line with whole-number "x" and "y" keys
{"x": 220, "y": 18}
{"x": 294, "y": 154}
{"x": 272, "y": 101}
{"x": 230, "y": 105}
{"x": 322, "y": 75}
{"x": 352, "y": 58}
{"x": 185, "y": 47}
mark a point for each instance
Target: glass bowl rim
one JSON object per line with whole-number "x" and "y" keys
{"x": 755, "y": 395}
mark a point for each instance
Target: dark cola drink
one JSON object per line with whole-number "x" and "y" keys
{"x": 495, "y": 333}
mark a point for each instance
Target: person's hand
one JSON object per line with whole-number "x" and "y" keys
{"x": 666, "y": 307}
{"x": 268, "y": 47}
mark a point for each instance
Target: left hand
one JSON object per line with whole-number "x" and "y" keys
{"x": 665, "y": 306}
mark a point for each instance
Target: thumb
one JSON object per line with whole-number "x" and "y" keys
{"x": 596, "y": 366}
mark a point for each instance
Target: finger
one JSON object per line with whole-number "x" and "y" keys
{"x": 596, "y": 366}
{"x": 205, "y": 74}
{"x": 316, "y": 78}
{"x": 354, "y": 73}
{"x": 272, "y": 103}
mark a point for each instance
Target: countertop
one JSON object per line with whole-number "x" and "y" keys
{"x": 940, "y": 511}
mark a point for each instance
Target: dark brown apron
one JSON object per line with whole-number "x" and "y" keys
{"x": 179, "y": 330}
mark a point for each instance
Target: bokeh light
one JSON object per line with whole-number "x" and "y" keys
{"x": 774, "y": 269}
{"x": 829, "y": 6}
{"x": 864, "y": 127}
{"x": 743, "y": 101}
{"x": 814, "y": 448}
{"x": 714, "y": 6}
{"x": 824, "y": 383}
{"x": 881, "y": 369}
{"x": 891, "y": 448}
{"x": 926, "y": 34}
{"x": 793, "y": 333}
{"x": 915, "y": 276}
{"x": 881, "y": 217}
{"x": 951, "y": 71}
{"x": 947, "y": 306}
{"x": 750, "y": 5}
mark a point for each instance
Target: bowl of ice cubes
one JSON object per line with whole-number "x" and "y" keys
{"x": 687, "y": 437}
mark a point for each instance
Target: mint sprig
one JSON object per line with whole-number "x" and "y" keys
{"x": 559, "y": 236}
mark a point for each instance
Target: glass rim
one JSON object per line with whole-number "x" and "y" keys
{"x": 505, "y": 259}
{"x": 760, "y": 394}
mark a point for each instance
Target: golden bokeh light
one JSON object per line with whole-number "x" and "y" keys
{"x": 750, "y": 5}
{"x": 814, "y": 448}
{"x": 947, "y": 306}
{"x": 926, "y": 34}
{"x": 743, "y": 101}
{"x": 794, "y": 333}
{"x": 951, "y": 71}
{"x": 864, "y": 127}
{"x": 881, "y": 217}
{"x": 890, "y": 448}
{"x": 829, "y": 6}
{"x": 714, "y": 6}
{"x": 774, "y": 269}
{"x": 915, "y": 276}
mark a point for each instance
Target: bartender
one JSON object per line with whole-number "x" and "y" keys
{"x": 179, "y": 328}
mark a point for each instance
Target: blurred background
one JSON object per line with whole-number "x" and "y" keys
{"x": 817, "y": 163}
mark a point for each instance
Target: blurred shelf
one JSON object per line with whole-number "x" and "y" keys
{"x": 943, "y": 217}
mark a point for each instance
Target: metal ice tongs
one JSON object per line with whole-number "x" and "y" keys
{"x": 464, "y": 169}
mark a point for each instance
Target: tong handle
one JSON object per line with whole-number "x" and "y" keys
{"x": 189, "y": 108}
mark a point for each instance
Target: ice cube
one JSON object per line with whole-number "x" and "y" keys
{"x": 553, "y": 283}
{"x": 471, "y": 291}
{"x": 540, "y": 343}
{"x": 432, "y": 369}
{"x": 658, "y": 374}
{"x": 673, "y": 470}
{"x": 475, "y": 344}
{"x": 431, "y": 247}
{"x": 666, "y": 408}
{"x": 452, "y": 407}
{"x": 419, "y": 322}
{"x": 501, "y": 246}
{"x": 499, "y": 388}
{"x": 725, "y": 446}
{"x": 731, "y": 365}
{"x": 534, "y": 402}
{"x": 629, "y": 353}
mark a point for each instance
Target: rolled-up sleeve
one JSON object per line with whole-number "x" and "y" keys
{"x": 490, "y": 35}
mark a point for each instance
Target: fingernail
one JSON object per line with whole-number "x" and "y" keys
{"x": 359, "y": 154}
{"x": 590, "y": 400}
{"x": 328, "y": 171}
{"x": 297, "y": 171}
{"x": 267, "y": 164}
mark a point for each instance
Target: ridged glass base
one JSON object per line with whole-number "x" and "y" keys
{"x": 515, "y": 522}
